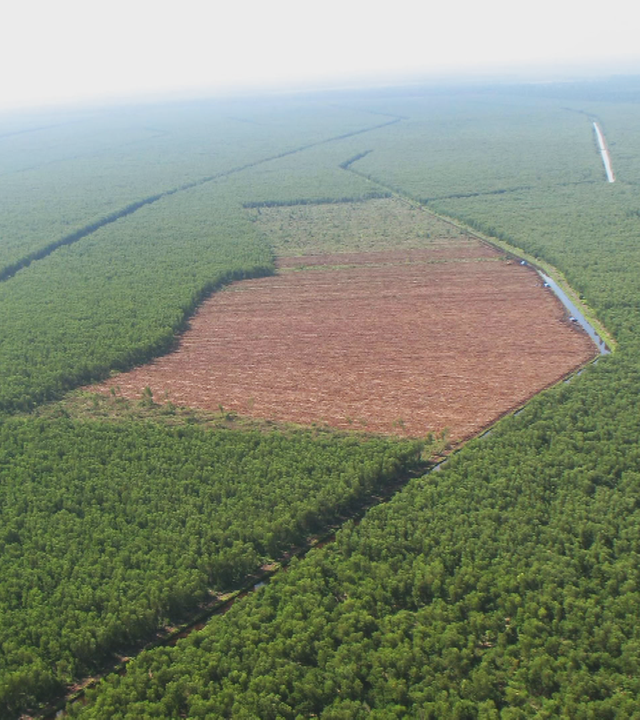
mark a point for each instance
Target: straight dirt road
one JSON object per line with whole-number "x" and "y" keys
{"x": 604, "y": 151}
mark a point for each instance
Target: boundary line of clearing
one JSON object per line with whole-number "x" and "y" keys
{"x": 540, "y": 265}
{"x": 512, "y": 249}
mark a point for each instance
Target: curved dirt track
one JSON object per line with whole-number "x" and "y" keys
{"x": 404, "y": 342}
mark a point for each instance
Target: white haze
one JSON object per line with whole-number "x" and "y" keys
{"x": 78, "y": 50}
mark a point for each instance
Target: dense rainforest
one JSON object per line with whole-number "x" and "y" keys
{"x": 110, "y": 530}
{"x": 504, "y": 585}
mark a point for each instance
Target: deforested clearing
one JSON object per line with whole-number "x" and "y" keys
{"x": 446, "y": 337}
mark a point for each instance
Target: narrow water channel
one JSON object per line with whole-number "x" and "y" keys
{"x": 57, "y": 710}
{"x": 574, "y": 314}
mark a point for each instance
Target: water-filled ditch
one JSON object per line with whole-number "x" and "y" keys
{"x": 574, "y": 314}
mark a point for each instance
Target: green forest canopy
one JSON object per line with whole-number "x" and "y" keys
{"x": 504, "y": 585}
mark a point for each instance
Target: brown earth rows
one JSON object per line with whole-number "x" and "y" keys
{"x": 404, "y": 348}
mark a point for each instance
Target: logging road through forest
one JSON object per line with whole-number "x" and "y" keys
{"x": 604, "y": 151}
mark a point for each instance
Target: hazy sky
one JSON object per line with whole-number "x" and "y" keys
{"x": 70, "y": 50}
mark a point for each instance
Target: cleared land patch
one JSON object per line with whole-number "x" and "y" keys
{"x": 449, "y": 335}
{"x": 382, "y": 224}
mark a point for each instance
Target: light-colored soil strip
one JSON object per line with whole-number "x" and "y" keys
{"x": 405, "y": 348}
{"x": 604, "y": 151}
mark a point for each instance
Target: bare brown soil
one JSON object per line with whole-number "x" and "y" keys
{"x": 404, "y": 342}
